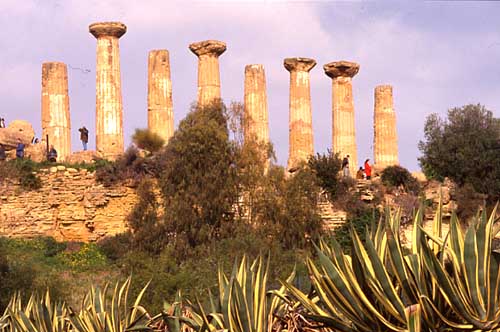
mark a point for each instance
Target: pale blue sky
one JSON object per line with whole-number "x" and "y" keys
{"x": 436, "y": 55}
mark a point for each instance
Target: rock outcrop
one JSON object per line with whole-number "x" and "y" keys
{"x": 15, "y": 131}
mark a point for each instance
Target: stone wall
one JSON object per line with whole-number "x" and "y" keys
{"x": 71, "y": 206}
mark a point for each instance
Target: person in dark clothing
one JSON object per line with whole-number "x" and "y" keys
{"x": 2, "y": 123}
{"x": 84, "y": 136}
{"x": 360, "y": 174}
{"x": 20, "y": 149}
{"x": 3, "y": 156}
{"x": 52, "y": 155}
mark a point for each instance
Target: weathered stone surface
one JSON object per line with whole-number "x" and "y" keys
{"x": 300, "y": 122}
{"x": 70, "y": 206}
{"x": 109, "y": 106}
{"x": 255, "y": 104}
{"x": 160, "y": 105}
{"x": 15, "y": 131}
{"x": 343, "y": 128}
{"x": 88, "y": 156}
{"x": 36, "y": 152}
{"x": 385, "y": 139}
{"x": 56, "y": 124}
{"x": 208, "y": 53}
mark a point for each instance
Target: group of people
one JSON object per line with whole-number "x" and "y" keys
{"x": 362, "y": 173}
{"x": 51, "y": 153}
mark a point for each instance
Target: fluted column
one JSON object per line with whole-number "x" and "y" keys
{"x": 56, "y": 122}
{"x": 343, "y": 129}
{"x": 256, "y": 114}
{"x": 109, "y": 107}
{"x": 300, "y": 122}
{"x": 384, "y": 128}
{"x": 208, "y": 53}
{"x": 160, "y": 106}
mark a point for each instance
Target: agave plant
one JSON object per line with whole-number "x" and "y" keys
{"x": 39, "y": 315}
{"x": 102, "y": 313}
{"x": 440, "y": 283}
{"x": 243, "y": 303}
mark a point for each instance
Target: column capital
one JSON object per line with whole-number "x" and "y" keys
{"x": 341, "y": 69}
{"x": 383, "y": 88}
{"x": 254, "y": 67}
{"x": 107, "y": 29}
{"x": 299, "y": 64}
{"x": 208, "y": 47}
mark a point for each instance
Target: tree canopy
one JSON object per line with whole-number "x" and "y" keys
{"x": 464, "y": 147}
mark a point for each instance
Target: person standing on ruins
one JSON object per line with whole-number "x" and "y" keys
{"x": 52, "y": 155}
{"x": 368, "y": 169}
{"x": 3, "y": 156}
{"x": 2, "y": 123}
{"x": 20, "y": 149}
{"x": 84, "y": 136}
{"x": 345, "y": 166}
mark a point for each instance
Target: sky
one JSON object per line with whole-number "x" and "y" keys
{"x": 436, "y": 55}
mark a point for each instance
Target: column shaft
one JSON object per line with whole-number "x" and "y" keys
{"x": 300, "y": 124}
{"x": 343, "y": 129}
{"x": 55, "y": 107}
{"x": 384, "y": 127}
{"x": 160, "y": 106}
{"x": 256, "y": 112}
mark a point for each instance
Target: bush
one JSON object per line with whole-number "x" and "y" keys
{"x": 327, "y": 169}
{"x": 88, "y": 256}
{"x": 147, "y": 140}
{"x": 23, "y": 171}
{"x": 397, "y": 176}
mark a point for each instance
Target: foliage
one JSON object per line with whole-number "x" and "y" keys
{"x": 147, "y": 140}
{"x": 464, "y": 147}
{"x": 327, "y": 168}
{"x": 22, "y": 170}
{"x": 445, "y": 282}
{"x": 86, "y": 257}
{"x": 198, "y": 179}
{"x": 397, "y": 176}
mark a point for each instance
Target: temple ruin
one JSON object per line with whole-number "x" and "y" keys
{"x": 109, "y": 106}
{"x": 56, "y": 124}
{"x": 385, "y": 138}
{"x": 208, "y": 53}
{"x": 300, "y": 120}
{"x": 343, "y": 129}
{"x": 160, "y": 105}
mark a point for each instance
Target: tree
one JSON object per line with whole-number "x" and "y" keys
{"x": 464, "y": 147}
{"x": 198, "y": 177}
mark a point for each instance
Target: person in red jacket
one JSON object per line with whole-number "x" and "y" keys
{"x": 368, "y": 169}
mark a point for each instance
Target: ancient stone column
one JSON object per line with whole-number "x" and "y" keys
{"x": 384, "y": 128}
{"x": 109, "y": 107}
{"x": 56, "y": 122}
{"x": 256, "y": 116}
{"x": 208, "y": 53}
{"x": 300, "y": 122}
{"x": 160, "y": 106}
{"x": 343, "y": 129}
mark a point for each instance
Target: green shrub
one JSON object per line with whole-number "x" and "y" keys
{"x": 326, "y": 167}
{"x": 397, "y": 176}
{"x": 88, "y": 256}
{"x": 147, "y": 140}
{"x": 22, "y": 170}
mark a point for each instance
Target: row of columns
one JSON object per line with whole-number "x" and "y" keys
{"x": 109, "y": 106}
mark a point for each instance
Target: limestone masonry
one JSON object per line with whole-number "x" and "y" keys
{"x": 109, "y": 107}
{"x": 56, "y": 124}
{"x": 208, "y": 53}
{"x": 160, "y": 105}
{"x": 343, "y": 129}
{"x": 385, "y": 137}
{"x": 300, "y": 121}
{"x": 70, "y": 206}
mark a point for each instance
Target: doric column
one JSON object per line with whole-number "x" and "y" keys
{"x": 208, "y": 53}
{"x": 384, "y": 128}
{"x": 343, "y": 129}
{"x": 256, "y": 116}
{"x": 300, "y": 122}
{"x": 56, "y": 122}
{"x": 160, "y": 106}
{"x": 109, "y": 107}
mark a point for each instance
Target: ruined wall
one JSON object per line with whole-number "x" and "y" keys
{"x": 70, "y": 206}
